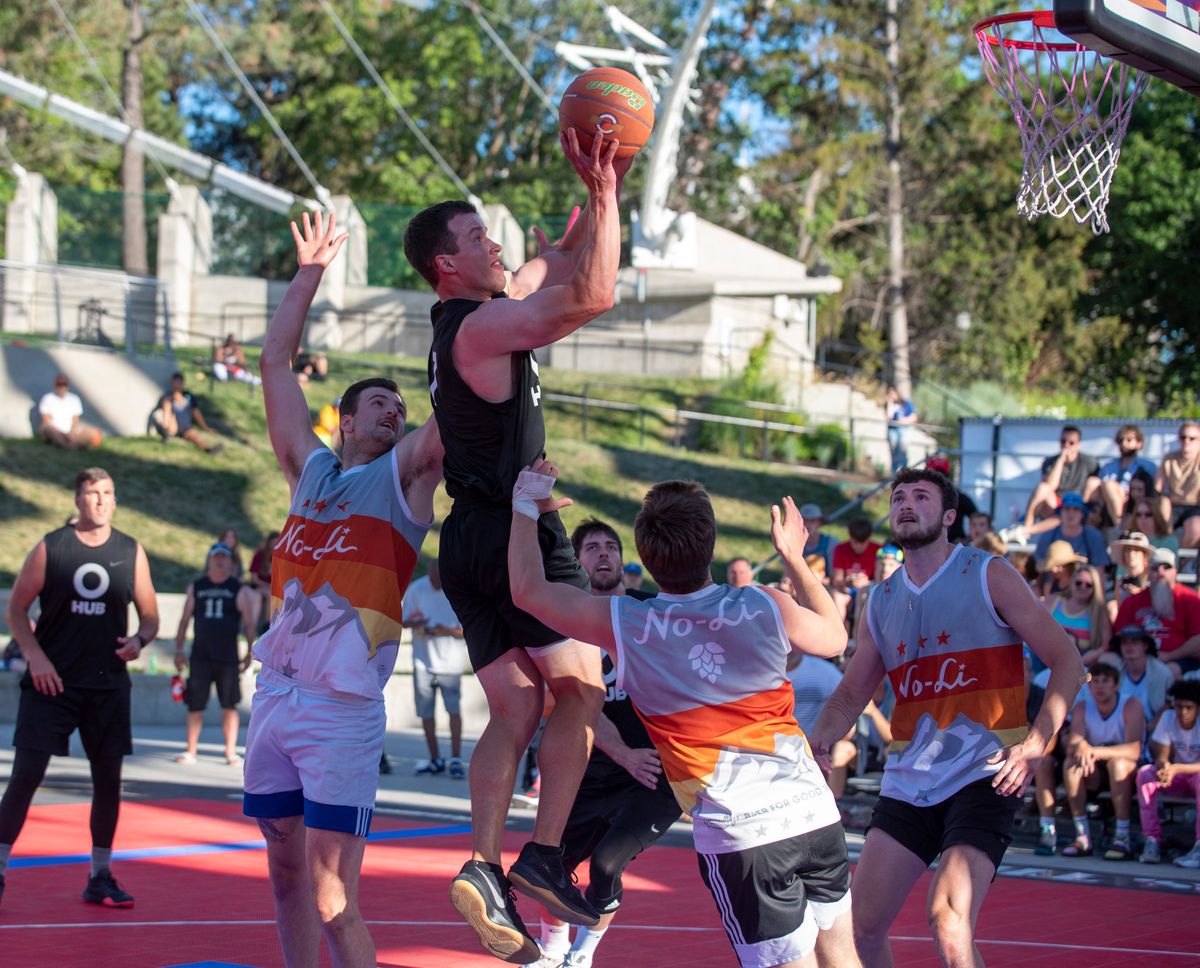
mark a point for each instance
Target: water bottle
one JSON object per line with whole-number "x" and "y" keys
{"x": 152, "y": 664}
{"x": 177, "y": 688}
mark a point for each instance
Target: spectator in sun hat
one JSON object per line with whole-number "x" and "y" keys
{"x": 1085, "y": 540}
{"x": 818, "y": 543}
{"x": 1169, "y": 612}
{"x": 1058, "y": 567}
{"x": 1131, "y": 554}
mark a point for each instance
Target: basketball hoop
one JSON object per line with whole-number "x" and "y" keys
{"x": 1073, "y": 107}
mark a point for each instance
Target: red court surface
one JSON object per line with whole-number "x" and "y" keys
{"x": 203, "y": 897}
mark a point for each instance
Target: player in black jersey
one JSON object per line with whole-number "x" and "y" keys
{"x": 624, "y": 803}
{"x": 221, "y": 607}
{"x": 483, "y": 381}
{"x": 84, "y": 576}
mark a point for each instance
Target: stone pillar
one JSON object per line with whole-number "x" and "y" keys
{"x": 30, "y": 236}
{"x": 506, "y": 230}
{"x": 348, "y": 269}
{"x": 184, "y": 252}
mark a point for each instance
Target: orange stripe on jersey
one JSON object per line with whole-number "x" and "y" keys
{"x": 690, "y": 741}
{"x": 958, "y": 674}
{"x": 356, "y": 538}
{"x": 996, "y": 709}
{"x": 364, "y": 585}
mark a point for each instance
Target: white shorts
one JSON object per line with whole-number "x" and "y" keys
{"x": 312, "y": 754}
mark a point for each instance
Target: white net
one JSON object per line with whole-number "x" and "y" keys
{"x": 1073, "y": 108}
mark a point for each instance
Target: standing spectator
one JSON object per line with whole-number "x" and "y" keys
{"x": 1108, "y": 728}
{"x": 632, "y": 576}
{"x": 1143, "y": 676}
{"x": 59, "y": 412}
{"x": 439, "y": 653}
{"x": 1081, "y": 611}
{"x": 1065, "y": 473}
{"x": 1169, "y": 612}
{"x": 221, "y": 605}
{"x": 260, "y": 577}
{"x": 1112, "y": 479}
{"x": 739, "y": 573}
{"x": 1175, "y": 746}
{"x": 1084, "y": 539}
{"x": 1178, "y": 481}
{"x": 853, "y": 565}
{"x": 229, "y": 362}
{"x": 84, "y": 577}
{"x": 901, "y": 415}
{"x": 818, "y": 542}
{"x": 178, "y": 416}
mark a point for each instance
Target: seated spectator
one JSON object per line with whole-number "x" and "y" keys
{"x": 889, "y": 558}
{"x": 311, "y": 366}
{"x": 1066, "y": 473}
{"x": 992, "y": 543}
{"x": 1111, "y": 483}
{"x": 260, "y": 577}
{"x": 59, "y": 411}
{"x": 1143, "y": 676}
{"x": 1178, "y": 481}
{"x": 957, "y": 532}
{"x": 178, "y": 415}
{"x": 632, "y": 576}
{"x": 1026, "y": 564}
{"x": 328, "y": 426}
{"x": 1175, "y": 747}
{"x": 739, "y": 573}
{"x": 818, "y": 542}
{"x": 229, "y": 363}
{"x": 816, "y": 564}
{"x": 1082, "y": 538}
{"x": 1131, "y": 554}
{"x": 1081, "y": 611}
{"x": 1148, "y": 516}
{"x": 1169, "y": 612}
{"x": 1057, "y": 570}
{"x": 1045, "y": 782}
{"x": 853, "y": 564}
{"x": 1105, "y": 741}
{"x": 978, "y": 525}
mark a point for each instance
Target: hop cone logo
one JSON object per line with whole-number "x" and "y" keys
{"x": 707, "y": 659}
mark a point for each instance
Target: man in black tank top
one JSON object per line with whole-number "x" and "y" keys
{"x": 483, "y": 381}
{"x": 220, "y": 606}
{"x": 84, "y": 577}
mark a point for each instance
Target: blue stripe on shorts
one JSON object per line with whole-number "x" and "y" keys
{"x": 327, "y": 816}
{"x": 271, "y": 806}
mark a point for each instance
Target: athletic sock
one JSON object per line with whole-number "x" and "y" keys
{"x": 101, "y": 859}
{"x": 5, "y": 851}
{"x": 586, "y": 940}
{"x": 1123, "y": 830}
{"x": 1082, "y": 831}
{"x": 556, "y": 939}
{"x": 1048, "y": 826}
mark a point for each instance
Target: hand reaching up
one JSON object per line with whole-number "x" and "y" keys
{"x": 317, "y": 246}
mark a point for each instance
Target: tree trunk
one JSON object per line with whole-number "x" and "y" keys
{"x": 133, "y": 162}
{"x": 897, "y": 308}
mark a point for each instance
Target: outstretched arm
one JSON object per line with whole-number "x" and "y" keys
{"x": 288, "y": 422}
{"x": 565, "y": 608}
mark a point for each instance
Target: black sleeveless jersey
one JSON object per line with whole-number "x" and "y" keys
{"x": 85, "y": 607}
{"x": 487, "y": 444}
{"x": 217, "y": 620}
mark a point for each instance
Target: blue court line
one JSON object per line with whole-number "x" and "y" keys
{"x": 192, "y": 850}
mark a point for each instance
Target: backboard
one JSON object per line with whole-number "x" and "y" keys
{"x": 1160, "y": 37}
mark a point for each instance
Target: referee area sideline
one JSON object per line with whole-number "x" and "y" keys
{"x": 198, "y": 871}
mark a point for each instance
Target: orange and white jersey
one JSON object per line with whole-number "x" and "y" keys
{"x": 338, "y": 575}
{"x": 707, "y": 674}
{"x": 958, "y": 672}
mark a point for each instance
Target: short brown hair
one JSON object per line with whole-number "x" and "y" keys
{"x": 675, "y": 533}
{"x": 349, "y": 401}
{"x": 428, "y": 235}
{"x": 90, "y": 475}
{"x": 1130, "y": 430}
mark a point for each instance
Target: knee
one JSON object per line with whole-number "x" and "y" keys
{"x": 587, "y": 697}
{"x": 334, "y": 908}
{"x": 951, "y": 929}
{"x": 868, "y": 935}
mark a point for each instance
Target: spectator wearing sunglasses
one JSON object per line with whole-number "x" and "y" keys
{"x": 1169, "y": 612}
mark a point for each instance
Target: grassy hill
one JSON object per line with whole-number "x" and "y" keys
{"x": 176, "y": 499}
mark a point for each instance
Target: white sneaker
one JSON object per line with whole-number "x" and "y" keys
{"x": 1191, "y": 858}
{"x": 546, "y": 961}
{"x": 1150, "y": 852}
{"x": 577, "y": 959}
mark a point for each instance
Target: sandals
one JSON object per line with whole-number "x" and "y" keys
{"x": 188, "y": 758}
{"x": 1078, "y": 848}
{"x": 234, "y": 760}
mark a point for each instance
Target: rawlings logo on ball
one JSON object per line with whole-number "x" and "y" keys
{"x": 632, "y": 98}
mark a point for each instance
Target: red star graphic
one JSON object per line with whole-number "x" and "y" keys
{"x": 943, "y": 638}
{"x": 305, "y": 504}
{"x": 342, "y": 507}
{"x": 887, "y": 589}
{"x": 901, "y": 649}
{"x": 319, "y": 506}
{"x": 921, "y": 641}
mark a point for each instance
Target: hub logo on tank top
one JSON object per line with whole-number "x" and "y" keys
{"x": 91, "y": 581}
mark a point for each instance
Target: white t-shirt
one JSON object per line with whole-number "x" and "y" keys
{"x": 61, "y": 410}
{"x": 1185, "y": 744}
{"x": 441, "y": 654}
{"x": 813, "y": 682}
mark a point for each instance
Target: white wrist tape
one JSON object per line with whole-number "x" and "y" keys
{"x": 529, "y": 489}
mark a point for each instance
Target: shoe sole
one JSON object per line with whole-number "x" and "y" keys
{"x": 109, "y": 902}
{"x": 507, "y": 944}
{"x": 551, "y": 901}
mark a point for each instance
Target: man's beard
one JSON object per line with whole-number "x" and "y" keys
{"x": 1162, "y": 597}
{"x": 605, "y": 582}
{"x": 915, "y": 538}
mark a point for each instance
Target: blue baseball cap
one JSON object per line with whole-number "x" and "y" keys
{"x": 890, "y": 551}
{"x": 220, "y": 549}
{"x": 1073, "y": 499}
{"x": 633, "y": 568}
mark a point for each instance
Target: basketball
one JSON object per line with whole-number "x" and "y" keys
{"x": 612, "y": 103}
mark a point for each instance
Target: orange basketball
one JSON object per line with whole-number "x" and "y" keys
{"x": 612, "y": 103}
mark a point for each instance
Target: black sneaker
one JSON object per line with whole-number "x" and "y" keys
{"x": 102, "y": 888}
{"x": 1, "y": 887}
{"x": 543, "y": 877}
{"x": 483, "y": 895}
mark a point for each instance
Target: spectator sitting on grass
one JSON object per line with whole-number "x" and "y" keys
{"x": 177, "y": 415}
{"x": 229, "y": 363}
{"x": 1175, "y": 747}
{"x": 59, "y": 412}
